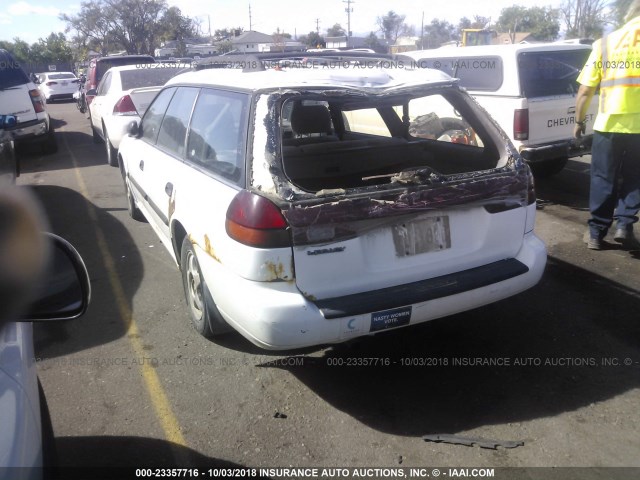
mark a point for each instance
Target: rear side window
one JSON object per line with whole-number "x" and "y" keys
{"x": 218, "y": 133}
{"x": 153, "y": 116}
{"x": 475, "y": 73}
{"x": 544, "y": 74}
{"x": 147, "y": 77}
{"x": 173, "y": 131}
{"x": 104, "y": 64}
{"x": 11, "y": 73}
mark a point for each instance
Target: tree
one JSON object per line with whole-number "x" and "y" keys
{"x": 437, "y": 33}
{"x": 619, "y": 10}
{"x": 373, "y": 42}
{"x": 542, "y": 22}
{"x": 136, "y": 26}
{"x": 336, "y": 31}
{"x": 53, "y": 49}
{"x": 584, "y": 18}
{"x": 226, "y": 33}
{"x": 392, "y": 26}
{"x": 313, "y": 40}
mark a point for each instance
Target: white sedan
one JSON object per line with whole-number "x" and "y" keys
{"x": 123, "y": 94}
{"x": 57, "y": 85}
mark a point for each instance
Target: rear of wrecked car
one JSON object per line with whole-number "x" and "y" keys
{"x": 388, "y": 204}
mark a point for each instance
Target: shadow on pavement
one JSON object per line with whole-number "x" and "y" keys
{"x": 102, "y": 323}
{"x": 111, "y": 453}
{"x": 556, "y": 348}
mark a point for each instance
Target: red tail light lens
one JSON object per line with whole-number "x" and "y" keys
{"x": 255, "y": 221}
{"x": 48, "y": 84}
{"x": 125, "y": 106}
{"x": 521, "y": 124}
{"x": 36, "y": 99}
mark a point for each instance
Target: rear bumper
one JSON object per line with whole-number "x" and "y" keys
{"x": 30, "y": 131}
{"x": 279, "y": 317}
{"x": 569, "y": 148}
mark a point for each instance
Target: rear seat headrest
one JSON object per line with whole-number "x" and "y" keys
{"x": 307, "y": 119}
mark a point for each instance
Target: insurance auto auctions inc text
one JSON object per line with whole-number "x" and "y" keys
{"x": 365, "y": 472}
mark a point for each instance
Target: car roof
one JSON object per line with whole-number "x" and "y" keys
{"x": 55, "y": 73}
{"x": 274, "y": 78}
{"x": 493, "y": 50}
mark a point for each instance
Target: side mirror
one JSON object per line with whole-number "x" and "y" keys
{"x": 64, "y": 291}
{"x": 92, "y": 92}
{"x": 133, "y": 128}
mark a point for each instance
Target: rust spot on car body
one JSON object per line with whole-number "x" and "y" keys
{"x": 209, "y": 249}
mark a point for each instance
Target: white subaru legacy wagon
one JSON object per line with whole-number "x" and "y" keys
{"x": 313, "y": 205}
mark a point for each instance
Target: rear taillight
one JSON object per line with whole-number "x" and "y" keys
{"x": 36, "y": 99}
{"x": 521, "y": 124}
{"x": 255, "y": 221}
{"x": 125, "y": 106}
{"x": 48, "y": 84}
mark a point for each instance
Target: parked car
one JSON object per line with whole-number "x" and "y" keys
{"x": 309, "y": 206}
{"x": 99, "y": 66}
{"x": 42, "y": 277}
{"x": 57, "y": 85}
{"x": 125, "y": 93}
{"x": 8, "y": 163}
{"x": 529, "y": 89}
{"x": 19, "y": 97}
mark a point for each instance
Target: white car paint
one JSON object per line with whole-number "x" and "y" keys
{"x": 57, "y": 85}
{"x": 273, "y": 296}
{"x": 499, "y": 70}
{"x": 113, "y": 87}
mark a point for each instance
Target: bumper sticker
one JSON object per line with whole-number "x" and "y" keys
{"x": 390, "y": 318}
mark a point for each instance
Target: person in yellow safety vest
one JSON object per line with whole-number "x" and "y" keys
{"x": 614, "y": 67}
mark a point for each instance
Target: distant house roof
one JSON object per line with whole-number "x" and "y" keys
{"x": 252, "y": 37}
{"x": 505, "y": 38}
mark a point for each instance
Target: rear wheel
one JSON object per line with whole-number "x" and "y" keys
{"x": 134, "y": 211}
{"x": 205, "y": 317}
{"x": 548, "y": 168}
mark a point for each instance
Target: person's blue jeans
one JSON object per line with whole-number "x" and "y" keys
{"x": 615, "y": 182}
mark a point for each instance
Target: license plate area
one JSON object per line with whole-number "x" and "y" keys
{"x": 423, "y": 235}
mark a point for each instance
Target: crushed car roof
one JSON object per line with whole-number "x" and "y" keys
{"x": 338, "y": 75}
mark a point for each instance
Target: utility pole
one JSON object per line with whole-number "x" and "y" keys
{"x": 250, "y": 24}
{"x": 318, "y": 26}
{"x": 422, "y": 33}
{"x": 348, "y": 10}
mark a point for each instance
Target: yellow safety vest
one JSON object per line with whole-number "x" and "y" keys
{"x": 620, "y": 84}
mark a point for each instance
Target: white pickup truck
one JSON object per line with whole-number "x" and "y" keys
{"x": 529, "y": 89}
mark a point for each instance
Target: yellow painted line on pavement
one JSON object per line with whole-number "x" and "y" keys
{"x": 161, "y": 404}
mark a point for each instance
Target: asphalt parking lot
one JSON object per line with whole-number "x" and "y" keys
{"x": 131, "y": 383}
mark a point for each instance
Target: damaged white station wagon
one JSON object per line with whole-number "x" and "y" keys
{"x": 313, "y": 205}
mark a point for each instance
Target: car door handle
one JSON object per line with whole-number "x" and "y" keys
{"x": 168, "y": 189}
{"x": 141, "y": 164}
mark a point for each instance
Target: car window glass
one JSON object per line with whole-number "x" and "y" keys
{"x": 434, "y": 117}
{"x": 103, "y": 88}
{"x": 174, "y": 125}
{"x": 550, "y": 73}
{"x": 365, "y": 120}
{"x": 217, "y": 134}
{"x": 475, "y": 73}
{"x": 153, "y": 116}
{"x": 11, "y": 73}
{"x": 148, "y": 76}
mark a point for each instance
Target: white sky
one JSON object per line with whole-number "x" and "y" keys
{"x": 33, "y": 19}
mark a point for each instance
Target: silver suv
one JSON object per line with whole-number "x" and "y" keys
{"x": 20, "y": 97}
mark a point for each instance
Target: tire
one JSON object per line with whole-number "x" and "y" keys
{"x": 97, "y": 139}
{"x": 204, "y": 314}
{"x": 112, "y": 153}
{"x": 548, "y": 168}
{"x": 134, "y": 211}
{"x": 50, "y": 144}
